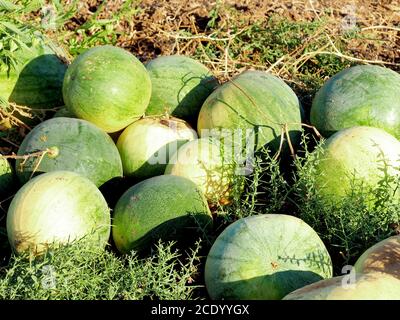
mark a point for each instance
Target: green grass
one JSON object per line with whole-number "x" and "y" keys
{"x": 353, "y": 225}
{"x": 97, "y": 30}
{"x": 79, "y": 273}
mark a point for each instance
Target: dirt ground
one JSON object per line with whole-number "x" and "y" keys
{"x": 153, "y": 31}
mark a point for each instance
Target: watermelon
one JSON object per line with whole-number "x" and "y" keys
{"x": 363, "y": 95}
{"x": 107, "y": 86}
{"x": 179, "y": 86}
{"x": 57, "y": 208}
{"x": 355, "y": 156}
{"x": 6, "y": 178}
{"x": 64, "y": 112}
{"x": 74, "y": 145}
{"x": 203, "y": 162}
{"x": 145, "y": 146}
{"x": 382, "y": 257}
{"x": 254, "y": 105}
{"x": 37, "y": 79}
{"x": 162, "y": 207}
{"x": 370, "y": 286}
{"x": 265, "y": 257}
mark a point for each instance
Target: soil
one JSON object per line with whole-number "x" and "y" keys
{"x": 149, "y": 33}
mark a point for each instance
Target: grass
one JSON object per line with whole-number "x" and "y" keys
{"x": 303, "y": 53}
{"x": 78, "y": 272}
{"x": 356, "y": 223}
{"x": 97, "y": 30}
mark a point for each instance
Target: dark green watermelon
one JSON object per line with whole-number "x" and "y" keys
{"x": 363, "y": 95}
{"x": 180, "y": 85}
{"x": 162, "y": 207}
{"x": 77, "y": 145}
{"x": 36, "y": 82}
{"x": 256, "y": 104}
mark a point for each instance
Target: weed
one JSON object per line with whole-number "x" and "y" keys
{"x": 77, "y": 272}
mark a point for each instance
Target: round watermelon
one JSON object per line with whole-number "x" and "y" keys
{"x": 354, "y": 157}
{"x": 265, "y": 257}
{"x": 203, "y": 162}
{"x": 369, "y": 286}
{"x": 254, "y": 106}
{"x": 382, "y": 257}
{"x": 146, "y": 145}
{"x": 6, "y": 178}
{"x": 179, "y": 86}
{"x": 57, "y": 208}
{"x": 162, "y": 207}
{"x": 363, "y": 95}
{"x": 36, "y": 80}
{"x": 74, "y": 145}
{"x": 107, "y": 86}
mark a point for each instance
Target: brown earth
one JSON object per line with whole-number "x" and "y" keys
{"x": 156, "y": 27}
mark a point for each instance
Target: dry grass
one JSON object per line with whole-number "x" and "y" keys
{"x": 184, "y": 27}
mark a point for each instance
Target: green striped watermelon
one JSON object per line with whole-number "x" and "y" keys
{"x": 180, "y": 85}
{"x": 253, "y": 104}
{"x": 107, "y": 86}
{"x": 36, "y": 80}
{"x": 159, "y": 208}
{"x": 203, "y": 162}
{"x": 265, "y": 257}
{"x": 75, "y": 145}
{"x": 146, "y": 145}
{"x": 353, "y": 157}
{"x": 363, "y": 95}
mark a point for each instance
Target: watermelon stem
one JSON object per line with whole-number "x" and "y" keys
{"x": 9, "y": 109}
{"x": 51, "y": 152}
{"x": 284, "y": 132}
{"x": 37, "y": 164}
